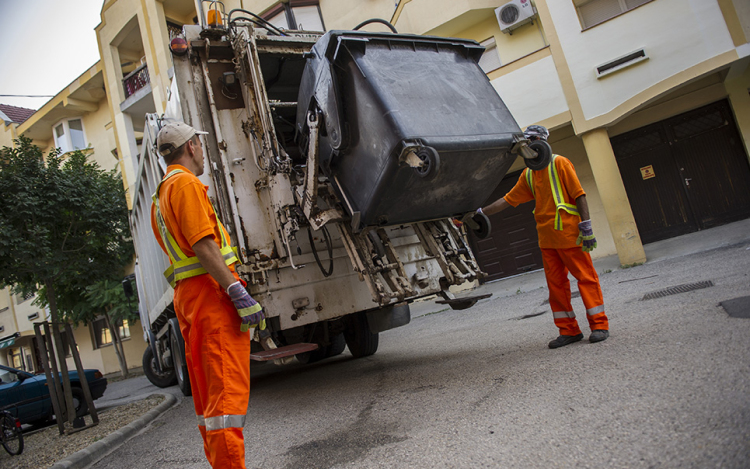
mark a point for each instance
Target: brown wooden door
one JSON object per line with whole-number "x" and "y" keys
{"x": 713, "y": 166}
{"x": 686, "y": 173}
{"x": 513, "y": 245}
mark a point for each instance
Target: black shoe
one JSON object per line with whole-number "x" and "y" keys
{"x": 598, "y": 335}
{"x": 564, "y": 340}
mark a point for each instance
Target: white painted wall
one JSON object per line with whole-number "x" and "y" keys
{"x": 676, "y": 34}
{"x": 532, "y": 93}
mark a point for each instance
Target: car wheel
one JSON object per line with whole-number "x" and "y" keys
{"x": 161, "y": 379}
{"x": 177, "y": 344}
{"x": 79, "y": 402}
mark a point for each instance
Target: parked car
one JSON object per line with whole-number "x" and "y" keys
{"x": 27, "y": 396}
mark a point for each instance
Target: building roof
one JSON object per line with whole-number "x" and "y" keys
{"x": 16, "y": 114}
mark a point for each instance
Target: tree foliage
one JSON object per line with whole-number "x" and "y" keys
{"x": 63, "y": 226}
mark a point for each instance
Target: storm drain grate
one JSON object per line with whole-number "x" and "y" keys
{"x": 678, "y": 289}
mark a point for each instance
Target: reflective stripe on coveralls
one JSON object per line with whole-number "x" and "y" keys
{"x": 557, "y": 264}
{"x": 557, "y": 193}
{"x": 221, "y": 422}
{"x": 182, "y": 266}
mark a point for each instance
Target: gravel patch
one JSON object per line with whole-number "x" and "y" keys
{"x": 45, "y": 447}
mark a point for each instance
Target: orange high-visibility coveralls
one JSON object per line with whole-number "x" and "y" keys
{"x": 560, "y": 252}
{"x": 217, "y": 353}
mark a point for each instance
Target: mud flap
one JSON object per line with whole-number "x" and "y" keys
{"x": 389, "y": 317}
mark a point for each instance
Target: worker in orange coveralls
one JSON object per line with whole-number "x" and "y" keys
{"x": 213, "y": 307}
{"x": 565, "y": 238}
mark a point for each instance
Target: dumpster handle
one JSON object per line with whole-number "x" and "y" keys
{"x": 376, "y": 20}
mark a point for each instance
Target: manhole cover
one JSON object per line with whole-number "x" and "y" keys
{"x": 677, "y": 289}
{"x": 738, "y": 307}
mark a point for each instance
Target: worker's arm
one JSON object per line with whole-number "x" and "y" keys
{"x": 586, "y": 237}
{"x": 583, "y": 207}
{"x": 496, "y": 207}
{"x": 211, "y": 259}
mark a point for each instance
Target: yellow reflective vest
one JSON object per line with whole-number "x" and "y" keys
{"x": 183, "y": 266}
{"x": 557, "y": 193}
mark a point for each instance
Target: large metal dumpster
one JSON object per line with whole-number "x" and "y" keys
{"x": 386, "y": 98}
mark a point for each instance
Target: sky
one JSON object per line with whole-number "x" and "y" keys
{"x": 46, "y": 44}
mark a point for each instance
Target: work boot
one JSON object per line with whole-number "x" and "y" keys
{"x": 598, "y": 335}
{"x": 564, "y": 340}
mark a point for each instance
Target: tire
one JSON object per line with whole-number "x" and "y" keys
{"x": 79, "y": 402}
{"x": 359, "y": 339}
{"x": 11, "y": 436}
{"x": 544, "y": 155}
{"x": 159, "y": 379}
{"x": 177, "y": 344}
{"x": 485, "y": 227}
{"x": 316, "y": 355}
{"x": 431, "y": 159}
{"x": 338, "y": 344}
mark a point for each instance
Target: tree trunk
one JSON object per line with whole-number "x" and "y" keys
{"x": 70, "y": 412}
{"x": 117, "y": 343}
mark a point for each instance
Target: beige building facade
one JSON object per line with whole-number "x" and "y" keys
{"x": 595, "y": 72}
{"x": 77, "y": 118}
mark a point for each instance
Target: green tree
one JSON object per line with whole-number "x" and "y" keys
{"x": 63, "y": 228}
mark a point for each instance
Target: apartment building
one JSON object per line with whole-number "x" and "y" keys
{"x": 648, "y": 98}
{"x": 77, "y": 118}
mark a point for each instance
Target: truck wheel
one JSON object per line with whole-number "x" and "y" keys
{"x": 177, "y": 344}
{"x": 159, "y": 379}
{"x": 359, "y": 339}
{"x": 316, "y": 355}
{"x": 338, "y": 344}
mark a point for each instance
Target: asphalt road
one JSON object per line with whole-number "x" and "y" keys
{"x": 479, "y": 387}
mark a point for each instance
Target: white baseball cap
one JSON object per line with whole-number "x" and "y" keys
{"x": 173, "y": 135}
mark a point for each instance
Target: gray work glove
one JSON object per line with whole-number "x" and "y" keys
{"x": 249, "y": 310}
{"x": 586, "y": 236}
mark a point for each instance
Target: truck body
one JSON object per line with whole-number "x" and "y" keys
{"x": 340, "y": 203}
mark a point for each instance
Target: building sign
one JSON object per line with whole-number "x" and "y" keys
{"x": 647, "y": 172}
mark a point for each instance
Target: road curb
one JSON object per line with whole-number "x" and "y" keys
{"x": 93, "y": 453}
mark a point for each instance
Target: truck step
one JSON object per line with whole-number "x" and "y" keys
{"x": 281, "y": 352}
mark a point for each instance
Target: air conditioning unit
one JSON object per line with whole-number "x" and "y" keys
{"x": 514, "y": 14}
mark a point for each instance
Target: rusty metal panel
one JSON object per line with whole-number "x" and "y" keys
{"x": 513, "y": 246}
{"x": 282, "y": 352}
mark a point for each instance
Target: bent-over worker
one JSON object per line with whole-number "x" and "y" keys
{"x": 565, "y": 238}
{"x": 212, "y": 305}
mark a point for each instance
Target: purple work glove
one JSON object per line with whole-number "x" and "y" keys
{"x": 249, "y": 310}
{"x": 586, "y": 236}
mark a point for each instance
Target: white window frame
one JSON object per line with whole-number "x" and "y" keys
{"x": 119, "y": 327}
{"x": 621, "y": 3}
{"x": 65, "y": 143}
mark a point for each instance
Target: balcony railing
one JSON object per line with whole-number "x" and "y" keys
{"x": 135, "y": 80}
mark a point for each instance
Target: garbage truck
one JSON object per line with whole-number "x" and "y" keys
{"x": 338, "y": 163}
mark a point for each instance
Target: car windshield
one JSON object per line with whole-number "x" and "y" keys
{"x": 7, "y": 376}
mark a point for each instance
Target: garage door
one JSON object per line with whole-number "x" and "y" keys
{"x": 513, "y": 246}
{"x": 686, "y": 173}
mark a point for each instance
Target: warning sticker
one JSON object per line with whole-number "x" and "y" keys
{"x": 647, "y": 172}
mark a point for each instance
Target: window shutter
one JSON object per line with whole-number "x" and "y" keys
{"x": 490, "y": 59}
{"x": 597, "y": 11}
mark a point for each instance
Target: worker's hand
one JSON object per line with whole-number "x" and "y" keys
{"x": 468, "y": 219}
{"x": 586, "y": 236}
{"x": 249, "y": 310}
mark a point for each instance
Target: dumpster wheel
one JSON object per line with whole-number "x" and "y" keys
{"x": 430, "y": 163}
{"x": 544, "y": 155}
